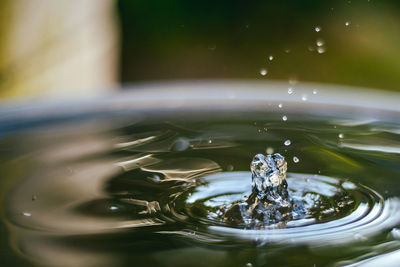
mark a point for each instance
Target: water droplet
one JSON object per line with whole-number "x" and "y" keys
{"x": 269, "y": 150}
{"x": 395, "y": 233}
{"x": 315, "y": 91}
{"x": 359, "y": 237}
{"x": 317, "y": 28}
{"x": 347, "y": 23}
{"x": 296, "y": 159}
{"x": 280, "y": 105}
{"x": 321, "y": 50}
{"x": 290, "y": 90}
{"x": 271, "y": 58}
{"x": 287, "y": 142}
{"x": 113, "y": 207}
{"x": 263, "y": 72}
{"x": 249, "y": 264}
{"x": 284, "y": 118}
{"x": 229, "y": 168}
{"x": 341, "y": 135}
{"x": 212, "y": 47}
{"x": 180, "y": 144}
{"x": 293, "y": 80}
{"x": 304, "y": 97}
{"x": 210, "y": 141}
{"x": 320, "y": 42}
{"x": 27, "y": 214}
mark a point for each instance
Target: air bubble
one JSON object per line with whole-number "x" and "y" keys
{"x": 27, "y": 214}
{"x": 229, "y": 168}
{"x": 315, "y": 91}
{"x": 317, "y": 28}
{"x": 263, "y": 72}
{"x": 284, "y": 118}
{"x": 287, "y": 142}
{"x": 296, "y": 159}
{"x": 347, "y": 23}
{"x": 290, "y": 90}
{"x": 340, "y": 135}
{"x": 395, "y": 233}
{"x": 304, "y": 97}
{"x": 280, "y": 105}
{"x": 113, "y": 208}
{"x": 271, "y": 58}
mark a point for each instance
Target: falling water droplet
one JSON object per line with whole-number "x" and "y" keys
{"x": 317, "y": 28}
{"x": 320, "y": 42}
{"x": 284, "y": 118}
{"x": 287, "y": 142}
{"x": 304, "y": 97}
{"x": 341, "y": 135}
{"x": 315, "y": 91}
{"x": 347, "y": 23}
{"x": 290, "y": 90}
{"x": 263, "y": 72}
{"x": 296, "y": 159}
{"x": 321, "y": 50}
{"x": 271, "y": 58}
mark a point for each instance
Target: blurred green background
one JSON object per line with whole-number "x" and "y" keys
{"x": 141, "y": 40}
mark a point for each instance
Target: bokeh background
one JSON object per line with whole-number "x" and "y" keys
{"x": 70, "y": 49}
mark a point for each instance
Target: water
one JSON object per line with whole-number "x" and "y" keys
{"x": 138, "y": 180}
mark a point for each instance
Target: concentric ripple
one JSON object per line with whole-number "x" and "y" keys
{"x": 337, "y": 211}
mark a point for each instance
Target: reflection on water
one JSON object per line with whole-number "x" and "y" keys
{"x": 148, "y": 191}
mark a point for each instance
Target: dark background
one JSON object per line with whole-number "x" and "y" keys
{"x": 210, "y": 39}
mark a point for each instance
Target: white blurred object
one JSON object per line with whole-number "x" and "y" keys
{"x": 58, "y": 49}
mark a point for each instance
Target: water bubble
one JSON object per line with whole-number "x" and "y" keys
{"x": 180, "y": 144}
{"x": 304, "y": 97}
{"x": 317, "y": 28}
{"x": 320, "y": 42}
{"x": 340, "y": 135}
{"x": 395, "y": 233}
{"x": 263, "y": 72}
{"x": 280, "y": 105}
{"x": 295, "y": 159}
{"x": 271, "y": 58}
{"x": 27, "y": 214}
{"x": 321, "y": 50}
{"x": 290, "y": 90}
{"x": 284, "y": 118}
{"x": 269, "y": 150}
{"x": 315, "y": 91}
{"x": 287, "y": 142}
